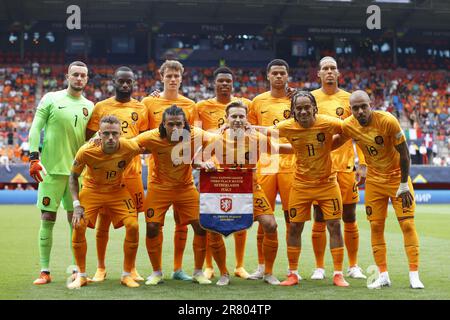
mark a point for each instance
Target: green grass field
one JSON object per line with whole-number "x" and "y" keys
{"x": 19, "y": 263}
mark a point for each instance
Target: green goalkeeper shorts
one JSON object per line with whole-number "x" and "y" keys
{"x": 53, "y": 190}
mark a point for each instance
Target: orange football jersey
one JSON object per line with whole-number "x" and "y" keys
{"x": 338, "y": 105}
{"x": 167, "y": 174}
{"x": 104, "y": 171}
{"x": 312, "y": 148}
{"x": 156, "y": 107}
{"x": 378, "y": 140}
{"x": 266, "y": 110}
{"x": 211, "y": 113}
{"x": 133, "y": 118}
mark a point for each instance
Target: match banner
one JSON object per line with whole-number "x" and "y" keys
{"x": 226, "y": 200}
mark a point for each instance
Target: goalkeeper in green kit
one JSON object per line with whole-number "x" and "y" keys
{"x": 63, "y": 115}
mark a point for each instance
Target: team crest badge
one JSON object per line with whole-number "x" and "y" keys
{"x": 275, "y": 122}
{"x": 286, "y": 114}
{"x": 46, "y": 201}
{"x": 150, "y": 213}
{"x": 379, "y": 140}
{"x": 292, "y": 213}
{"x": 226, "y": 204}
{"x": 85, "y": 112}
{"x": 121, "y": 164}
{"x": 321, "y": 137}
{"x": 369, "y": 211}
{"x": 339, "y": 111}
{"x": 134, "y": 116}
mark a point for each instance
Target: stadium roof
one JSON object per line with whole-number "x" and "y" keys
{"x": 420, "y": 14}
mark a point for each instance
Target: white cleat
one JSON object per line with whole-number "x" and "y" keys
{"x": 382, "y": 281}
{"x": 258, "y": 274}
{"x": 318, "y": 274}
{"x": 271, "y": 279}
{"x": 299, "y": 277}
{"x": 355, "y": 273}
{"x": 224, "y": 280}
{"x": 414, "y": 280}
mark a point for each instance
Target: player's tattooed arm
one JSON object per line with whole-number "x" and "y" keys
{"x": 403, "y": 190}
{"x": 338, "y": 140}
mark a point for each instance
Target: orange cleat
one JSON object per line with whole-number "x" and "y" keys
{"x": 44, "y": 278}
{"x": 338, "y": 280}
{"x": 291, "y": 280}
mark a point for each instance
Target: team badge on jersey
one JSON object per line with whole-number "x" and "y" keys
{"x": 339, "y": 111}
{"x": 46, "y": 201}
{"x": 379, "y": 140}
{"x": 121, "y": 164}
{"x": 85, "y": 112}
{"x": 134, "y": 116}
{"x": 369, "y": 211}
{"x": 321, "y": 137}
{"x": 286, "y": 114}
{"x": 292, "y": 213}
{"x": 275, "y": 122}
{"x": 150, "y": 213}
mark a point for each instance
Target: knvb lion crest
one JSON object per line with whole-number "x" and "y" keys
{"x": 226, "y": 204}
{"x": 339, "y": 111}
{"x": 292, "y": 213}
{"x": 121, "y": 164}
{"x": 85, "y": 112}
{"x": 369, "y": 211}
{"x": 379, "y": 140}
{"x": 286, "y": 114}
{"x": 321, "y": 137}
{"x": 150, "y": 213}
{"x": 134, "y": 116}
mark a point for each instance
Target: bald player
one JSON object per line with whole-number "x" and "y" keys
{"x": 211, "y": 114}
{"x": 171, "y": 72}
{"x": 383, "y": 142}
{"x": 133, "y": 120}
{"x": 334, "y": 102}
{"x": 267, "y": 109}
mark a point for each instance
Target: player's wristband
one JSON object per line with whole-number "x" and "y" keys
{"x": 402, "y": 188}
{"x": 363, "y": 170}
{"x": 76, "y": 203}
{"x": 34, "y": 155}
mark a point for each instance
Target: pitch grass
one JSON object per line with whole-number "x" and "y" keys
{"x": 19, "y": 263}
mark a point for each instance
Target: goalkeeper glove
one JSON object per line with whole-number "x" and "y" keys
{"x": 36, "y": 167}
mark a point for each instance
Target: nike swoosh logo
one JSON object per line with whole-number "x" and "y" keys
{"x": 161, "y": 152}
{"x": 211, "y": 112}
{"x": 61, "y": 107}
{"x": 264, "y": 111}
{"x": 156, "y": 112}
{"x": 96, "y": 168}
{"x": 295, "y": 139}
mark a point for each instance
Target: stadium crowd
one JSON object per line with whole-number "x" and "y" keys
{"x": 419, "y": 98}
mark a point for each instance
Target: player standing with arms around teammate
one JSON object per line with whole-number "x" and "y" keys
{"x": 211, "y": 114}
{"x": 267, "y": 109}
{"x": 172, "y": 184}
{"x": 334, "y": 102}
{"x": 103, "y": 188}
{"x": 311, "y": 135}
{"x": 63, "y": 115}
{"x": 133, "y": 119}
{"x": 383, "y": 142}
{"x": 171, "y": 72}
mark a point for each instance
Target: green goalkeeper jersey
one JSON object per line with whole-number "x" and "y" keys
{"x": 64, "y": 119}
